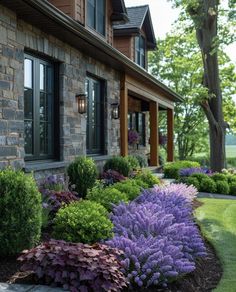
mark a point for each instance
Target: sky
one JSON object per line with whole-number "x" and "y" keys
{"x": 163, "y": 15}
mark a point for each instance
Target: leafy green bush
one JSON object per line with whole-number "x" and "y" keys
{"x": 82, "y": 221}
{"x": 82, "y": 173}
{"x": 231, "y": 178}
{"x": 171, "y": 169}
{"x": 20, "y": 212}
{"x": 200, "y": 176}
{"x": 129, "y": 187}
{"x": 142, "y": 160}
{"x": 119, "y": 164}
{"x": 193, "y": 181}
{"x": 207, "y": 185}
{"x": 133, "y": 162}
{"x": 107, "y": 196}
{"x": 222, "y": 187}
{"x": 219, "y": 177}
{"x": 147, "y": 178}
{"x": 232, "y": 187}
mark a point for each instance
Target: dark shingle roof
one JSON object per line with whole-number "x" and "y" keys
{"x": 139, "y": 17}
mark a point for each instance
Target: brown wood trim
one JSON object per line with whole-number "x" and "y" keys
{"x": 154, "y": 155}
{"x": 123, "y": 117}
{"x": 170, "y": 135}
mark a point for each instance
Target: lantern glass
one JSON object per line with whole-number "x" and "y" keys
{"x": 115, "y": 111}
{"x": 82, "y": 103}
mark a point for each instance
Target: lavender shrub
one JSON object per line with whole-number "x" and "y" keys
{"x": 158, "y": 236}
{"x": 192, "y": 170}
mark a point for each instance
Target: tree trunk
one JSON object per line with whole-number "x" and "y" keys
{"x": 205, "y": 18}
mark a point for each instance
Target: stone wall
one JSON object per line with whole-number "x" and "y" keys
{"x": 17, "y": 37}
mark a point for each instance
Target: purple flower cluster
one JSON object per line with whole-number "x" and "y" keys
{"x": 158, "y": 236}
{"x": 133, "y": 137}
{"x": 192, "y": 170}
{"x": 53, "y": 182}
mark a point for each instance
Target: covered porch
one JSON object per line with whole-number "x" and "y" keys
{"x": 138, "y": 97}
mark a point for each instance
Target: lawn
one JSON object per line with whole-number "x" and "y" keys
{"x": 230, "y": 152}
{"x": 217, "y": 219}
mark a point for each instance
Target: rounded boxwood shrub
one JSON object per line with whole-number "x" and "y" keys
{"x": 107, "y": 196}
{"x": 232, "y": 187}
{"x": 171, "y": 169}
{"x": 119, "y": 164}
{"x": 222, "y": 187}
{"x": 207, "y": 185}
{"x": 148, "y": 178}
{"x": 83, "y": 221}
{"x": 129, "y": 187}
{"x": 219, "y": 177}
{"x": 133, "y": 162}
{"x": 193, "y": 181}
{"x": 21, "y": 212}
{"x": 200, "y": 176}
{"x": 82, "y": 173}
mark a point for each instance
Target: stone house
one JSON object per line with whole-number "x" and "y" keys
{"x": 74, "y": 80}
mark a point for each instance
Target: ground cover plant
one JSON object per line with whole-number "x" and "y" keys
{"x": 172, "y": 169}
{"x": 158, "y": 236}
{"x": 83, "y": 221}
{"x": 217, "y": 219}
{"x": 130, "y": 188}
{"x": 21, "y": 212}
{"x": 147, "y": 178}
{"x": 75, "y": 266}
{"x": 111, "y": 177}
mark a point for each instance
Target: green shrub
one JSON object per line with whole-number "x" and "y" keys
{"x": 232, "y": 187}
{"x": 119, "y": 164}
{"x": 200, "y": 176}
{"x": 82, "y": 173}
{"x": 141, "y": 183}
{"x": 219, "y": 177}
{"x": 193, "y": 181}
{"x": 129, "y": 187}
{"x": 231, "y": 178}
{"x": 107, "y": 196}
{"x": 207, "y": 185}
{"x": 148, "y": 178}
{"x": 133, "y": 162}
{"x": 204, "y": 161}
{"x": 171, "y": 169}
{"x": 142, "y": 160}
{"x": 82, "y": 221}
{"x": 222, "y": 187}
{"x": 20, "y": 212}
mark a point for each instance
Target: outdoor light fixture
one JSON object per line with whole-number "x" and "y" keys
{"x": 82, "y": 103}
{"x": 115, "y": 113}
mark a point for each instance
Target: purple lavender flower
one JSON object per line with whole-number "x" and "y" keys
{"x": 133, "y": 137}
{"x": 192, "y": 170}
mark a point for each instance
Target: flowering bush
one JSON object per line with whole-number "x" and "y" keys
{"x": 191, "y": 170}
{"x": 133, "y": 137}
{"x": 111, "y": 177}
{"x": 172, "y": 169}
{"x": 54, "y": 183}
{"x": 75, "y": 266}
{"x": 158, "y": 236}
{"x": 189, "y": 192}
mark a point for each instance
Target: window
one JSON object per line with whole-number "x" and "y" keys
{"x": 136, "y": 121}
{"x": 140, "y": 51}
{"x": 96, "y": 15}
{"x": 38, "y": 108}
{"x": 95, "y": 116}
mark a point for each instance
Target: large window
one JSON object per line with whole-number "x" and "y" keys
{"x": 38, "y": 108}
{"x": 95, "y": 116}
{"x": 96, "y": 15}
{"x": 136, "y": 121}
{"x": 140, "y": 51}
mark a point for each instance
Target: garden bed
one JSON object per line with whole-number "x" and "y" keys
{"x": 206, "y": 276}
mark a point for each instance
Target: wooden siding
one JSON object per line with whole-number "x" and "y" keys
{"x": 124, "y": 45}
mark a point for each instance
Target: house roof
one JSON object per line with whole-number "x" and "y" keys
{"x": 51, "y": 20}
{"x": 119, "y": 11}
{"x": 139, "y": 18}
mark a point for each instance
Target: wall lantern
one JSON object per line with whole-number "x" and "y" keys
{"x": 115, "y": 112}
{"x": 82, "y": 103}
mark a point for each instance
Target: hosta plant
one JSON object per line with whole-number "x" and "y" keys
{"x": 75, "y": 266}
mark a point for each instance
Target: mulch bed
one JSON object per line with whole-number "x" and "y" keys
{"x": 205, "y": 278}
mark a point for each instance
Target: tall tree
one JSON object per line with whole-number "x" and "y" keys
{"x": 204, "y": 14}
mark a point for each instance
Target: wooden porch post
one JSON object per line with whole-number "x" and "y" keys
{"x": 154, "y": 155}
{"x": 123, "y": 117}
{"x": 170, "y": 135}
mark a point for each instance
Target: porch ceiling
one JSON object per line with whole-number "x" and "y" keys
{"x": 49, "y": 19}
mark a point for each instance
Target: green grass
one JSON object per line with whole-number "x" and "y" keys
{"x": 217, "y": 219}
{"x": 230, "y": 152}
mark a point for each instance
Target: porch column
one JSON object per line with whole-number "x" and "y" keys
{"x": 154, "y": 155}
{"x": 170, "y": 134}
{"x": 123, "y": 117}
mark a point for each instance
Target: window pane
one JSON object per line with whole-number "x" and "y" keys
{"x": 28, "y": 137}
{"x": 101, "y": 16}
{"x": 91, "y": 13}
{"x": 28, "y": 103}
{"x": 28, "y": 73}
{"x": 42, "y": 77}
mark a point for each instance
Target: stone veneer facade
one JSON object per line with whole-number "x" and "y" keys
{"x": 18, "y": 37}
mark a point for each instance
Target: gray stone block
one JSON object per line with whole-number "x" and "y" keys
{"x": 5, "y": 85}
{"x": 6, "y": 151}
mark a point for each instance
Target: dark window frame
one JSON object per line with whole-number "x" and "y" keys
{"x": 54, "y": 137}
{"x": 93, "y": 20}
{"x": 134, "y": 124}
{"x": 140, "y": 50}
{"x": 100, "y": 150}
